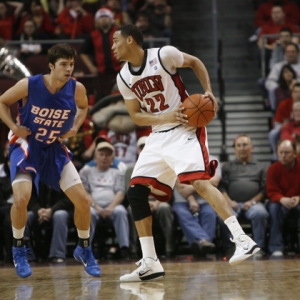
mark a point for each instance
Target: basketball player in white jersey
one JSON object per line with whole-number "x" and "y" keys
{"x": 153, "y": 92}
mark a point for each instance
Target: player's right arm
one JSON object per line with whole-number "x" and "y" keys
{"x": 12, "y": 95}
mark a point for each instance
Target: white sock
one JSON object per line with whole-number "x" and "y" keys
{"x": 148, "y": 248}
{"x": 83, "y": 234}
{"x": 234, "y": 226}
{"x": 18, "y": 233}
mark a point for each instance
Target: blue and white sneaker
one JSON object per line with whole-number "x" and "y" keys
{"x": 20, "y": 261}
{"x": 85, "y": 256}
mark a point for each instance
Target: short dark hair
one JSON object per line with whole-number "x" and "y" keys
{"x": 286, "y": 29}
{"x": 292, "y": 44}
{"x": 132, "y": 30}
{"x": 296, "y": 85}
{"x": 61, "y": 51}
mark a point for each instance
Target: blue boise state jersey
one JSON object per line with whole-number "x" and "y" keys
{"x": 47, "y": 115}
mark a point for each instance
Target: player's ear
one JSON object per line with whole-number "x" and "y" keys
{"x": 51, "y": 67}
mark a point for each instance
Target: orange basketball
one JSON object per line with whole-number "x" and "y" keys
{"x": 199, "y": 110}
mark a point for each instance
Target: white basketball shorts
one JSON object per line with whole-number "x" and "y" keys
{"x": 182, "y": 152}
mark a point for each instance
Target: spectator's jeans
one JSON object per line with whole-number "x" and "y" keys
{"x": 119, "y": 218}
{"x": 202, "y": 227}
{"x": 278, "y": 213}
{"x": 274, "y": 136}
{"x": 258, "y": 216}
{"x": 60, "y": 221}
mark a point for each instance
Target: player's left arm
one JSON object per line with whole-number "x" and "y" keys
{"x": 201, "y": 72}
{"x": 82, "y": 109}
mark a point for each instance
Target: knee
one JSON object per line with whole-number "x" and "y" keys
{"x": 201, "y": 186}
{"x": 20, "y": 202}
{"x": 60, "y": 215}
{"x": 84, "y": 203}
{"x": 120, "y": 211}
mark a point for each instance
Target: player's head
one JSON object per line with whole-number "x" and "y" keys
{"x": 61, "y": 51}
{"x": 124, "y": 38}
{"x": 61, "y": 59}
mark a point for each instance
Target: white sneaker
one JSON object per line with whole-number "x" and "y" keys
{"x": 150, "y": 269}
{"x": 277, "y": 254}
{"x": 145, "y": 290}
{"x": 244, "y": 248}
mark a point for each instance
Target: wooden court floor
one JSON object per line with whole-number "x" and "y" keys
{"x": 185, "y": 279}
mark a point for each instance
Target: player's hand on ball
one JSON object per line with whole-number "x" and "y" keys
{"x": 179, "y": 116}
{"x": 213, "y": 99}
{"x": 22, "y": 132}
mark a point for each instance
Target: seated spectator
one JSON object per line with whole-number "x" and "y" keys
{"x": 106, "y": 187}
{"x": 196, "y": 217}
{"x": 97, "y": 54}
{"x": 243, "y": 185}
{"x": 160, "y": 16}
{"x": 121, "y": 16}
{"x": 286, "y": 81}
{"x": 162, "y": 214}
{"x": 264, "y": 11}
{"x": 291, "y": 58}
{"x": 8, "y": 19}
{"x": 278, "y": 21}
{"x": 291, "y": 130}
{"x": 283, "y": 190}
{"x": 282, "y": 117}
{"x": 145, "y": 26}
{"x": 74, "y": 21}
{"x": 117, "y": 164}
{"x": 28, "y": 35}
{"x": 277, "y": 55}
{"x": 273, "y": 27}
{"x": 41, "y": 18}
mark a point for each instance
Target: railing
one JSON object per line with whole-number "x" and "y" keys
{"x": 264, "y": 38}
{"x": 222, "y": 112}
{"x": 150, "y": 41}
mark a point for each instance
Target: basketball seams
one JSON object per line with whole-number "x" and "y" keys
{"x": 198, "y": 116}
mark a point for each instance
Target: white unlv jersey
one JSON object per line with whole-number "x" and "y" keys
{"x": 157, "y": 90}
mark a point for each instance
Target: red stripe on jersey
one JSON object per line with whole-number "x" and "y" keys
{"x": 156, "y": 185}
{"x": 180, "y": 86}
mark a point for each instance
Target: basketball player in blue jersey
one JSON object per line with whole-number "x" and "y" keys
{"x": 153, "y": 93}
{"x": 51, "y": 107}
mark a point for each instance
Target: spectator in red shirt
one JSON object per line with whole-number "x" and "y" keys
{"x": 278, "y": 22}
{"x": 74, "y": 21}
{"x": 40, "y": 17}
{"x": 7, "y": 19}
{"x": 263, "y": 13}
{"x": 283, "y": 190}
{"x": 282, "y": 117}
{"x": 291, "y": 130}
{"x": 121, "y": 16}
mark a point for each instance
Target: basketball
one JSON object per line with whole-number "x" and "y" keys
{"x": 199, "y": 110}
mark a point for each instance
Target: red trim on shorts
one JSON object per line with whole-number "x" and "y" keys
{"x": 187, "y": 177}
{"x": 201, "y": 135}
{"x": 155, "y": 184}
